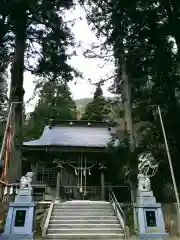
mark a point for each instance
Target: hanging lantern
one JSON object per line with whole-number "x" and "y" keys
{"x": 5, "y": 190}
{"x": 89, "y": 172}
{"x": 11, "y": 190}
{"x": 84, "y": 172}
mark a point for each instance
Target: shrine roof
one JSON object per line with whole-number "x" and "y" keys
{"x": 74, "y": 134}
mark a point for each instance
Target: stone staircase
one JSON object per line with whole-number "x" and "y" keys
{"x": 84, "y": 220}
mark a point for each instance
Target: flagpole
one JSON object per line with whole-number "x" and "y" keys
{"x": 5, "y": 133}
{"x": 6, "y": 130}
{"x": 171, "y": 167}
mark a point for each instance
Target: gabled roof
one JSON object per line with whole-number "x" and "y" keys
{"x": 74, "y": 134}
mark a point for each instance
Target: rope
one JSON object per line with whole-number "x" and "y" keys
{"x": 79, "y": 168}
{"x": 80, "y": 171}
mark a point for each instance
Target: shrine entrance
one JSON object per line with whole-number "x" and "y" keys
{"x": 80, "y": 180}
{"x": 82, "y": 171}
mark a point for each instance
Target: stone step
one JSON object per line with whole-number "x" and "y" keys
{"x": 83, "y": 225}
{"x": 82, "y": 213}
{"x": 92, "y": 218}
{"x": 82, "y": 202}
{"x": 92, "y": 236}
{"x": 82, "y": 207}
{"x": 84, "y": 221}
{"x": 85, "y": 230}
{"x": 83, "y": 210}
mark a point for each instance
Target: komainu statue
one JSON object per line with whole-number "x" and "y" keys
{"x": 144, "y": 183}
{"x": 26, "y": 181}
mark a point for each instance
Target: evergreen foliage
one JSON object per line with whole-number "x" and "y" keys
{"x": 98, "y": 109}
{"x": 143, "y": 37}
{"x": 55, "y": 102}
{"x": 35, "y": 38}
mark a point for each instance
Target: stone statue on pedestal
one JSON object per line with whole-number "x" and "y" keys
{"x": 147, "y": 168}
{"x": 144, "y": 183}
{"x": 21, "y": 213}
{"x": 147, "y": 165}
{"x": 26, "y": 181}
{"x": 148, "y": 215}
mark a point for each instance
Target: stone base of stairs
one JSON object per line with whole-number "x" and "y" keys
{"x": 88, "y": 236}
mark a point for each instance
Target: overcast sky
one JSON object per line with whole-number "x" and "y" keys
{"x": 89, "y": 67}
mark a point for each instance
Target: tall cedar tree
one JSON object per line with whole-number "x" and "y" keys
{"x": 98, "y": 109}
{"x": 55, "y": 102}
{"x": 145, "y": 32}
{"x": 34, "y": 29}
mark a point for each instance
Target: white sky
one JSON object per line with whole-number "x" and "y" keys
{"x": 89, "y": 67}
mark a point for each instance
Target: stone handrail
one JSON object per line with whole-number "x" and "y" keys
{"x": 47, "y": 220}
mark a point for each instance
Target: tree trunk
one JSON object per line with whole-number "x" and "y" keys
{"x": 16, "y": 97}
{"x": 133, "y": 164}
{"x": 119, "y": 53}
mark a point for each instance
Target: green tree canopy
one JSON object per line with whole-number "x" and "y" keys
{"x": 143, "y": 40}
{"x": 55, "y": 102}
{"x": 35, "y": 30}
{"x": 36, "y": 38}
{"x": 98, "y": 109}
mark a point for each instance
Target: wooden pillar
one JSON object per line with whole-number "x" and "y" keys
{"x": 58, "y": 179}
{"x": 102, "y": 186}
{"x": 102, "y": 168}
{"x": 34, "y": 169}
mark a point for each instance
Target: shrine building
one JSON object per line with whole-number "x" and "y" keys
{"x": 71, "y": 160}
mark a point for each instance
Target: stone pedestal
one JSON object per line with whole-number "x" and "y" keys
{"x": 148, "y": 217}
{"x": 20, "y": 219}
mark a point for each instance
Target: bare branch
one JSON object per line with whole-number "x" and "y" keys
{"x": 94, "y": 23}
{"x": 102, "y": 81}
{"x": 36, "y": 51}
{"x": 90, "y": 54}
